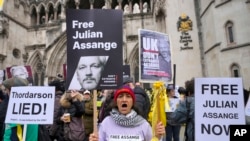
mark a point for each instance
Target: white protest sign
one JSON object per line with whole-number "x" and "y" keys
{"x": 218, "y": 104}
{"x": 31, "y": 105}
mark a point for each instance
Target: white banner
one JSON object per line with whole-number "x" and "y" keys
{"x": 218, "y": 104}
{"x": 31, "y": 105}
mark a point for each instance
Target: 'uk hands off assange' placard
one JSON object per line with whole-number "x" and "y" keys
{"x": 218, "y": 104}
{"x": 31, "y": 105}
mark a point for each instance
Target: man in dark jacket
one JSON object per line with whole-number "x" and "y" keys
{"x": 142, "y": 101}
{"x": 59, "y": 90}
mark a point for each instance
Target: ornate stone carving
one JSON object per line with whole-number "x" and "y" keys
{"x": 16, "y": 3}
{"x": 39, "y": 67}
{"x": 2, "y": 57}
{"x": 25, "y": 57}
{"x": 159, "y": 5}
{"x": 4, "y": 26}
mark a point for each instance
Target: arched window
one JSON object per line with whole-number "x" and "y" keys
{"x": 230, "y": 32}
{"x": 42, "y": 15}
{"x": 51, "y": 14}
{"x": 33, "y": 16}
{"x": 235, "y": 70}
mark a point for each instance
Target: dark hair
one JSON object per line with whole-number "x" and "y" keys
{"x": 190, "y": 86}
{"x": 60, "y": 85}
{"x": 182, "y": 90}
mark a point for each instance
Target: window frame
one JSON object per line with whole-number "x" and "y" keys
{"x": 230, "y": 33}
{"x": 235, "y": 67}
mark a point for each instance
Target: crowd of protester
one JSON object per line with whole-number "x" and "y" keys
{"x": 123, "y": 111}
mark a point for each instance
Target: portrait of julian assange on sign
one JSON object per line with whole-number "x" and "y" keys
{"x": 94, "y": 49}
{"x": 155, "y": 56}
{"x": 21, "y": 71}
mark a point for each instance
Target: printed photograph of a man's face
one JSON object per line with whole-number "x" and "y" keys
{"x": 163, "y": 46}
{"x": 89, "y": 71}
{"x": 19, "y": 71}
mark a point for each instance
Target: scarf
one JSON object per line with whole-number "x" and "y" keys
{"x": 129, "y": 120}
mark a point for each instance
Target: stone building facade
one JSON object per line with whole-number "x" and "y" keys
{"x": 225, "y": 42}
{"x": 33, "y": 32}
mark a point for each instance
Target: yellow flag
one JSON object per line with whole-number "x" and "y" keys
{"x": 1, "y": 5}
{"x": 158, "y": 106}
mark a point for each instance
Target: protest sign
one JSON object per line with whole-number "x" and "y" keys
{"x": 218, "y": 104}
{"x": 155, "y": 56}
{"x": 31, "y": 105}
{"x": 94, "y": 49}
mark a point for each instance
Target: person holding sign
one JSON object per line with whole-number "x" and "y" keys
{"x": 88, "y": 114}
{"x": 89, "y": 71}
{"x": 71, "y": 108}
{"x": 185, "y": 111}
{"x": 14, "y": 131}
{"x": 172, "y": 129}
{"x": 59, "y": 91}
{"x": 125, "y": 121}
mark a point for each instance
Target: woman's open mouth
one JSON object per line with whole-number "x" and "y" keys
{"x": 124, "y": 105}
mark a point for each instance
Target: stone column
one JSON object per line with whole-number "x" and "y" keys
{"x": 62, "y": 9}
{"x": 120, "y": 3}
{"x": 55, "y": 14}
{"x": 39, "y": 71}
{"x": 25, "y": 57}
{"x": 108, "y": 4}
{"x": 77, "y": 3}
{"x": 46, "y": 16}
{"x": 91, "y": 4}
{"x": 2, "y": 57}
{"x": 130, "y": 6}
{"x": 140, "y": 5}
{"x": 38, "y": 18}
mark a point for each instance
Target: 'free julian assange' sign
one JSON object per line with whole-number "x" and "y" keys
{"x": 94, "y": 34}
{"x": 31, "y": 105}
{"x": 218, "y": 104}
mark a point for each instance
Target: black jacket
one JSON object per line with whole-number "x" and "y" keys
{"x": 75, "y": 109}
{"x": 142, "y": 101}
